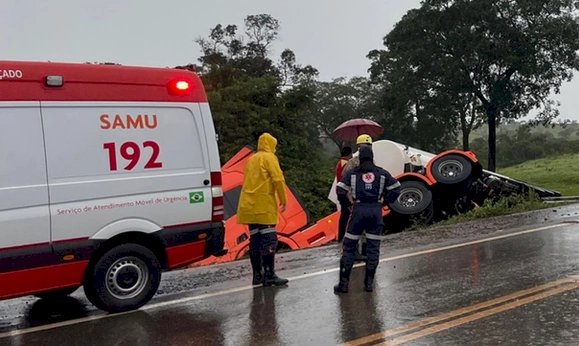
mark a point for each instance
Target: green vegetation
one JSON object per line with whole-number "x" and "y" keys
{"x": 250, "y": 91}
{"x": 506, "y": 206}
{"x": 465, "y": 62}
{"x": 560, "y": 173}
{"x": 525, "y": 144}
{"x": 563, "y": 130}
{"x": 446, "y": 68}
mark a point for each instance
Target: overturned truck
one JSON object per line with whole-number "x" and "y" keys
{"x": 437, "y": 186}
{"x": 434, "y": 187}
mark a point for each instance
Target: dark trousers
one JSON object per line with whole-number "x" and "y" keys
{"x": 262, "y": 246}
{"x": 262, "y": 240}
{"x": 365, "y": 218}
{"x": 344, "y": 217}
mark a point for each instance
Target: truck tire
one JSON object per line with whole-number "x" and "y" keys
{"x": 415, "y": 197}
{"x": 124, "y": 278}
{"x": 451, "y": 169}
{"x": 61, "y": 293}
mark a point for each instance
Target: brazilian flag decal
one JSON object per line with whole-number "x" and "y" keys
{"x": 196, "y": 197}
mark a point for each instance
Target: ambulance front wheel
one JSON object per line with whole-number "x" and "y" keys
{"x": 124, "y": 278}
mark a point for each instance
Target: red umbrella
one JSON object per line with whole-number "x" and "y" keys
{"x": 349, "y": 130}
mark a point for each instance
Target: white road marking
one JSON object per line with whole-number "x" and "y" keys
{"x": 246, "y": 288}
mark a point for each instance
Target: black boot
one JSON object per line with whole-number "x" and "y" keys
{"x": 369, "y": 280}
{"x": 342, "y": 286}
{"x": 270, "y": 278}
{"x": 257, "y": 268}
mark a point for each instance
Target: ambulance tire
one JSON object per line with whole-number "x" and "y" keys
{"x": 124, "y": 278}
{"x": 58, "y": 294}
{"x": 451, "y": 169}
{"x": 415, "y": 197}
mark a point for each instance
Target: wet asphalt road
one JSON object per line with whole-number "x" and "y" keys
{"x": 443, "y": 286}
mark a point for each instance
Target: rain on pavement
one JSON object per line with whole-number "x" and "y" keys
{"x": 510, "y": 281}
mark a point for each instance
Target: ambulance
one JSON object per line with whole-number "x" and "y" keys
{"x": 109, "y": 175}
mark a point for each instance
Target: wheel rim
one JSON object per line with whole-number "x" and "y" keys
{"x": 410, "y": 198}
{"x": 127, "y": 277}
{"x": 451, "y": 168}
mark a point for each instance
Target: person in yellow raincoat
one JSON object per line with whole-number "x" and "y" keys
{"x": 263, "y": 181}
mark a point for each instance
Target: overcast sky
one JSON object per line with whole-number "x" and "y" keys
{"x": 332, "y": 35}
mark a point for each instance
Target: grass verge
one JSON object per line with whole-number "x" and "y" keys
{"x": 506, "y": 206}
{"x": 559, "y": 173}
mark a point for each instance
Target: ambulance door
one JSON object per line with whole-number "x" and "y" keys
{"x": 24, "y": 214}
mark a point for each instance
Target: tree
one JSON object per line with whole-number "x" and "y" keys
{"x": 414, "y": 110}
{"x": 249, "y": 93}
{"x": 510, "y": 54}
{"x": 469, "y": 112}
{"x": 341, "y": 100}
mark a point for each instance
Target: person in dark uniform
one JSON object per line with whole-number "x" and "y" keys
{"x": 369, "y": 188}
{"x": 363, "y": 140}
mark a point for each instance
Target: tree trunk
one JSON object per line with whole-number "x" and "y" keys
{"x": 466, "y": 124}
{"x": 464, "y": 129}
{"x": 492, "y": 139}
{"x": 465, "y": 140}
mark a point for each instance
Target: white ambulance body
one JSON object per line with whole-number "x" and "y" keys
{"x": 108, "y": 175}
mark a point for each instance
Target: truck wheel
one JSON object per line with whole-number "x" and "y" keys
{"x": 61, "y": 293}
{"x": 124, "y": 278}
{"x": 414, "y": 198}
{"x": 451, "y": 169}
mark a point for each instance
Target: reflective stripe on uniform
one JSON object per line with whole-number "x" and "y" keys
{"x": 262, "y": 230}
{"x": 353, "y": 185}
{"x": 267, "y": 230}
{"x": 393, "y": 186}
{"x": 382, "y": 183}
{"x": 375, "y": 236}
{"x": 351, "y": 236}
{"x": 343, "y": 186}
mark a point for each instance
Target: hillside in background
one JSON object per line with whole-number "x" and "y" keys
{"x": 517, "y": 143}
{"x": 568, "y": 131}
{"x": 560, "y": 173}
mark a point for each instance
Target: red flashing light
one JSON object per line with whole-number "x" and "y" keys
{"x": 179, "y": 87}
{"x": 182, "y": 85}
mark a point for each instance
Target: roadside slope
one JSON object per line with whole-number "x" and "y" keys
{"x": 560, "y": 173}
